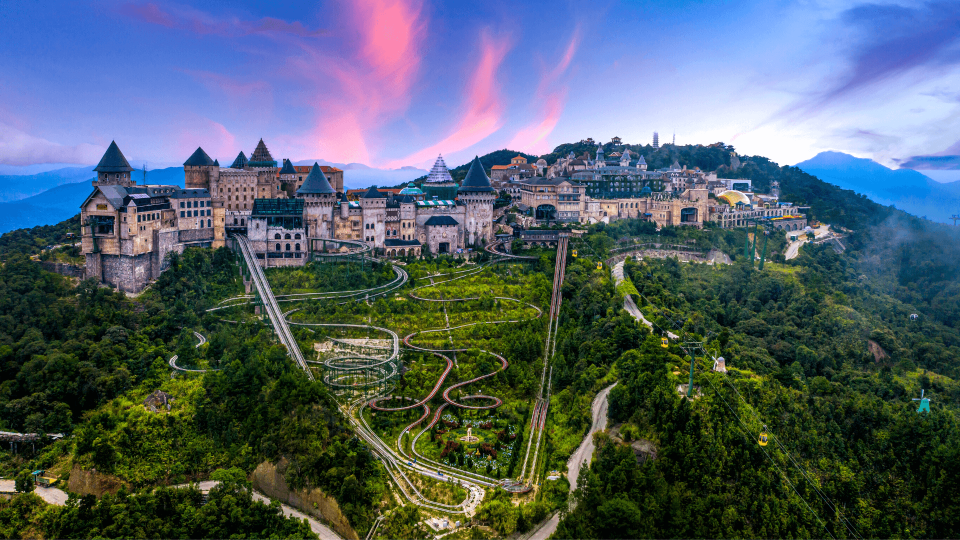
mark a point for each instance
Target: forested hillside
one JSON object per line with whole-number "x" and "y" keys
{"x": 821, "y": 350}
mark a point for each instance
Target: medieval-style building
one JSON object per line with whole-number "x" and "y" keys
{"x": 285, "y": 211}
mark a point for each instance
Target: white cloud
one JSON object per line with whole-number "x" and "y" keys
{"x": 20, "y": 148}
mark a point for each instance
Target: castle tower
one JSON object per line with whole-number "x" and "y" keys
{"x": 113, "y": 169}
{"x": 288, "y": 178}
{"x": 318, "y": 197}
{"x": 642, "y": 164}
{"x": 625, "y": 158}
{"x": 601, "y": 161}
{"x": 477, "y": 195}
{"x": 198, "y": 169}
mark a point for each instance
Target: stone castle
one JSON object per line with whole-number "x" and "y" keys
{"x": 287, "y": 213}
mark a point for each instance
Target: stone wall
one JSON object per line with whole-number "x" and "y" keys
{"x": 69, "y": 270}
{"x": 129, "y": 274}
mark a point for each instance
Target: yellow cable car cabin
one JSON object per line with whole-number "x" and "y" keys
{"x": 664, "y": 343}
{"x": 763, "y": 438}
{"x": 599, "y": 266}
{"x": 574, "y": 254}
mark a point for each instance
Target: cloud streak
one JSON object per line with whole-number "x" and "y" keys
{"x": 20, "y": 148}
{"x": 889, "y": 41}
{"x": 199, "y": 22}
{"x": 483, "y": 105}
{"x": 532, "y": 138}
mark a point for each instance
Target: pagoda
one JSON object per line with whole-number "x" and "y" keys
{"x": 439, "y": 184}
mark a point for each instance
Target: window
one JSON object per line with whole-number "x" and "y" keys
{"x": 286, "y": 236}
{"x": 288, "y": 247}
{"x": 139, "y": 218}
{"x": 181, "y": 212}
{"x": 278, "y": 247}
{"x": 201, "y": 223}
{"x": 297, "y": 247}
{"x": 181, "y": 205}
{"x": 276, "y": 236}
{"x": 208, "y": 223}
{"x": 202, "y": 204}
{"x": 297, "y": 237}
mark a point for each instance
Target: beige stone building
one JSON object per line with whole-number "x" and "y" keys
{"x": 129, "y": 230}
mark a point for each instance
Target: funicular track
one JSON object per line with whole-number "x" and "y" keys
{"x": 396, "y": 461}
{"x": 277, "y": 319}
{"x": 542, "y": 403}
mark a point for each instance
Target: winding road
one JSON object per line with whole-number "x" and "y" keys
{"x": 582, "y": 455}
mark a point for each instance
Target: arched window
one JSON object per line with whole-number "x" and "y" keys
{"x": 297, "y": 237}
{"x": 208, "y": 223}
{"x": 276, "y": 236}
{"x": 278, "y": 247}
{"x": 286, "y": 236}
{"x": 297, "y": 247}
{"x": 288, "y": 247}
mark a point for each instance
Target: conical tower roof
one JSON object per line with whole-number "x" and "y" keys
{"x": 641, "y": 161}
{"x": 439, "y": 173}
{"x": 113, "y": 160}
{"x": 216, "y": 162}
{"x": 198, "y": 159}
{"x": 315, "y": 183}
{"x": 476, "y": 179}
{"x": 288, "y": 168}
{"x": 373, "y": 193}
{"x": 240, "y": 162}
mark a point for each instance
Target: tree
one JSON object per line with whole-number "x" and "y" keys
{"x": 24, "y": 481}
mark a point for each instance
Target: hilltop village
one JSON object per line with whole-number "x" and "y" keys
{"x": 291, "y": 212}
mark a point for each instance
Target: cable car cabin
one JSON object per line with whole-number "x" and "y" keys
{"x": 763, "y": 438}
{"x": 599, "y": 266}
{"x": 664, "y": 343}
{"x": 574, "y": 254}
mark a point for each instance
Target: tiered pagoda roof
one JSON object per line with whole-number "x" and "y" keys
{"x": 439, "y": 173}
{"x": 261, "y": 157}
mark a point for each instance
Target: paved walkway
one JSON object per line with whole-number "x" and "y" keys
{"x": 51, "y": 495}
{"x": 321, "y": 530}
{"x": 628, "y": 303}
{"x": 583, "y": 454}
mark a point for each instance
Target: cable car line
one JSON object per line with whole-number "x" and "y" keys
{"x": 850, "y": 528}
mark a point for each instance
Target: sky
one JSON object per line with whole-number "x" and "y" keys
{"x": 392, "y": 83}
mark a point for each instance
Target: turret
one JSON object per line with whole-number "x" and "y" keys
{"x": 318, "y": 198}
{"x": 344, "y": 206}
{"x": 113, "y": 169}
{"x": 478, "y": 196}
{"x": 197, "y": 170}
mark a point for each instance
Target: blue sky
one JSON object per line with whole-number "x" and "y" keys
{"x": 395, "y": 82}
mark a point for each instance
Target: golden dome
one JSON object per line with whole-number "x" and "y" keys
{"x": 732, "y": 197}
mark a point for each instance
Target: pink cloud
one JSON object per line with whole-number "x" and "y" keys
{"x": 533, "y": 137}
{"x": 215, "y": 139}
{"x": 354, "y": 95}
{"x": 484, "y": 106}
{"x": 20, "y": 148}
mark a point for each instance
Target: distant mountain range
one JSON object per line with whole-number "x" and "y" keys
{"x": 905, "y": 189}
{"x": 62, "y": 201}
{"x": 51, "y": 197}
